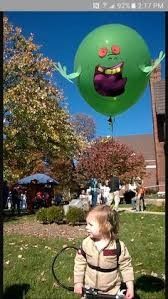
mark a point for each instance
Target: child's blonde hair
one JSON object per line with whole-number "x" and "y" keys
{"x": 108, "y": 220}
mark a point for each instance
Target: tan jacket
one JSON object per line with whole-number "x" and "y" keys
{"x": 108, "y": 282}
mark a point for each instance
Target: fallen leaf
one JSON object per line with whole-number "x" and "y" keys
{"x": 154, "y": 274}
{"x": 139, "y": 264}
{"x": 55, "y": 285}
{"x": 163, "y": 276}
{"x": 19, "y": 256}
{"x": 42, "y": 273}
{"x": 47, "y": 247}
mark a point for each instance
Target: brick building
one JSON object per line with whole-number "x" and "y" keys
{"x": 143, "y": 144}
{"x": 151, "y": 146}
{"x": 157, "y": 86}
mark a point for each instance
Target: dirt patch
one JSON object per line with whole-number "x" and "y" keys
{"x": 54, "y": 230}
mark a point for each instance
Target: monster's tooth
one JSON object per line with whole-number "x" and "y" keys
{"x": 100, "y": 69}
{"x": 108, "y": 71}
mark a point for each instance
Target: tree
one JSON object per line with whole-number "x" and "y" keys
{"x": 104, "y": 157}
{"x": 84, "y": 126}
{"x": 40, "y": 127}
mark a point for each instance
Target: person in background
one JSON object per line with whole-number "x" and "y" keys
{"x": 105, "y": 191}
{"x": 23, "y": 203}
{"x": 140, "y": 204}
{"x": 83, "y": 194}
{"x": 94, "y": 190}
{"x": 15, "y": 197}
{"x": 38, "y": 200}
{"x": 5, "y": 194}
{"x": 122, "y": 193}
{"x": 57, "y": 199}
{"x": 88, "y": 193}
{"x": 132, "y": 187}
{"x": 99, "y": 193}
{"x": 9, "y": 201}
{"x": 30, "y": 198}
{"x": 114, "y": 195}
{"x": 85, "y": 200}
{"x": 47, "y": 199}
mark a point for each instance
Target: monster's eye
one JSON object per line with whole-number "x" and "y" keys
{"x": 103, "y": 52}
{"x": 115, "y": 50}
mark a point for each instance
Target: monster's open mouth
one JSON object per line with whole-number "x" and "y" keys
{"x": 108, "y": 81}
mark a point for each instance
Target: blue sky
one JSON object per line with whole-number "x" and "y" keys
{"x": 60, "y": 34}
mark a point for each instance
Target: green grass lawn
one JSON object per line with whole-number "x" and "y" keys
{"x": 148, "y": 207}
{"x": 27, "y": 260}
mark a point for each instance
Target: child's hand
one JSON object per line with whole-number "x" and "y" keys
{"x": 129, "y": 294}
{"x": 78, "y": 288}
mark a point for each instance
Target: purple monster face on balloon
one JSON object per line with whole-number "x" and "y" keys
{"x": 108, "y": 81}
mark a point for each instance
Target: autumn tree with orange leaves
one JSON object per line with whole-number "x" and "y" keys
{"x": 104, "y": 157}
{"x": 39, "y": 124}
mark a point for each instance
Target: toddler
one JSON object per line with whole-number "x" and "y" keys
{"x": 96, "y": 263}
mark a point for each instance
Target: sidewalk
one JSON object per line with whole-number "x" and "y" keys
{"x": 129, "y": 210}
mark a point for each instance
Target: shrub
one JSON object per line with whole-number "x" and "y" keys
{"x": 55, "y": 214}
{"x": 75, "y": 215}
{"x": 42, "y": 215}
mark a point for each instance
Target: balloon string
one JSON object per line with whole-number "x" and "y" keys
{"x": 111, "y": 124}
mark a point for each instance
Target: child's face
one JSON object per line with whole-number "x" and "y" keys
{"x": 93, "y": 227}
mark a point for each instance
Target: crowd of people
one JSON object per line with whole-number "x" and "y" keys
{"x": 102, "y": 192}
{"x": 112, "y": 191}
{"x": 18, "y": 198}
{"x": 97, "y": 192}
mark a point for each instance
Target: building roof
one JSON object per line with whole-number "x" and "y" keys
{"x": 159, "y": 90}
{"x": 141, "y": 144}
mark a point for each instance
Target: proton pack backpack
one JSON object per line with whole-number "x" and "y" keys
{"x": 118, "y": 252}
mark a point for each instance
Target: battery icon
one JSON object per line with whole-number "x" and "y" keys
{"x": 133, "y": 5}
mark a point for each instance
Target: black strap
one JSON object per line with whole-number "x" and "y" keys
{"x": 101, "y": 269}
{"x": 118, "y": 249}
{"x": 118, "y": 253}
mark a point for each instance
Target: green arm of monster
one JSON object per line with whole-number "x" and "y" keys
{"x": 149, "y": 69}
{"x": 63, "y": 72}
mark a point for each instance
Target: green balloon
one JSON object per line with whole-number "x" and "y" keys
{"x": 110, "y": 57}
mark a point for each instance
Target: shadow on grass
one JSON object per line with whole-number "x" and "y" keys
{"x": 9, "y": 216}
{"x": 16, "y": 291}
{"x": 148, "y": 283}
